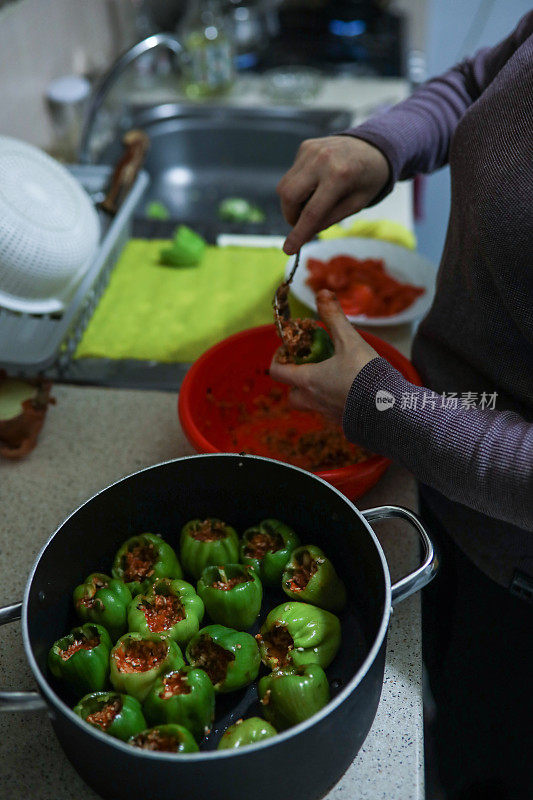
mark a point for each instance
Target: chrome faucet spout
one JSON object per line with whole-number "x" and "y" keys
{"x": 101, "y": 91}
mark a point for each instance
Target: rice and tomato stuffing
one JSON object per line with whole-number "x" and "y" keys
{"x": 362, "y": 286}
{"x": 272, "y": 428}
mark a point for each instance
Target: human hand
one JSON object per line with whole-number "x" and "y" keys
{"x": 324, "y": 386}
{"x": 331, "y": 178}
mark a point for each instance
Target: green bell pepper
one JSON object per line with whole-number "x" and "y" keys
{"x": 293, "y": 694}
{"x": 117, "y": 714}
{"x": 320, "y": 349}
{"x": 207, "y": 542}
{"x": 310, "y": 576}
{"x": 144, "y": 558}
{"x": 299, "y": 634}
{"x": 245, "y": 732}
{"x": 103, "y": 600}
{"x": 238, "y": 209}
{"x": 267, "y": 547}
{"x": 156, "y": 210}
{"x": 170, "y": 607}
{"x": 186, "y": 250}
{"x": 165, "y": 739}
{"x": 81, "y": 659}
{"x": 230, "y": 658}
{"x": 138, "y": 659}
{"x": 186, "y": 697}
{"x": 232, "y": 595}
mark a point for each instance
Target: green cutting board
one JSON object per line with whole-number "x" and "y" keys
{"x": 166, "y": 314}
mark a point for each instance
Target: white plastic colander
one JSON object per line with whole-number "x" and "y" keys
{"x": 49, "y": 230}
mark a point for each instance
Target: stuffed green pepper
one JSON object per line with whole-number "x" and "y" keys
{"x": 138, "y": 659}
{"x": 103, "y": 600}
{"x": 205, "y": 542}
{"x": 186, "y": 697}
{"x": 170, "y": 608}
{"x": 232, "y": 595}
{"x": 144, "y": 558}
{"x": 165, "y": 739}
{"x": 117, "y": 714}
{"x": 267, "y": 547}
{"x": 293, "y": 694}
{"x": 230, "y": 658}
{"x": 298, "y": 634}
{"x": 81, "y": 659}
{"x": 311, "y": 577}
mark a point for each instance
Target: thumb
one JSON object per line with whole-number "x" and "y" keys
{"x": 333, "y": 316}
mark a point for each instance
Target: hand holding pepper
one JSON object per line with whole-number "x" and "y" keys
{"x": 324, "y": 387}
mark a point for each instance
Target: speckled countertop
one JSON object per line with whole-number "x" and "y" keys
{"x": 95, "y": 436}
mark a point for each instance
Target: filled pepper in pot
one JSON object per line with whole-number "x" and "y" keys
{"x": 206, "y": 542}
{"x": 144, "y": 558}
{"x": 103, "y": 600}
{"x": 296, "y": 634}
{"x": 138, "y": 659}
{"x": 310, "y": 576}
{"x": 246, "y": 732}
{"x": 185, "y": 697}
{"x": 267, "y": 547}
{"x": 81, "y": 659}
{"x": 292, "y": 694}
{"x": 165, "y": 739}
{"x": 170, "y": 608}
{"x": 119, "y": 715}
{"x": 232, "y": 595}
{"x": 230, "y": 658}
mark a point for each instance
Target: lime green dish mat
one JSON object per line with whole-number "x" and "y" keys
{"x": 166, "y": 314}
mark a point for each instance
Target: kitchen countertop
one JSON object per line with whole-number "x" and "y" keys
{"x": 95, "y": 436}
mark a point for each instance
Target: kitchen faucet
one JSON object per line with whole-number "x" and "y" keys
{"x": 167, "y": 40}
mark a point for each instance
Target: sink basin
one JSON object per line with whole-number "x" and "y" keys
{"x": 201, "y": 154}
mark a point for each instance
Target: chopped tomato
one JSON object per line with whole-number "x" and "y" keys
{"x": 363, "y": 286}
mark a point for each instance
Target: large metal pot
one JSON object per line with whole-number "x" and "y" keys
{"x": 304, "y": 761}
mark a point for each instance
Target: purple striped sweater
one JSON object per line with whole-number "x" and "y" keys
{"x": 475, "y": 464}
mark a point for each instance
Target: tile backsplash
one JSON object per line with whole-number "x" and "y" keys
{"x": 43, "y": 39}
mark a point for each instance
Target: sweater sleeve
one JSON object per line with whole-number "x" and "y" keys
{"x": 415, "y": 135}
{"x": 480, "y": 457}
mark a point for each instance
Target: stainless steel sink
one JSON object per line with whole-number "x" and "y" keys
{"x": 202, "y": 154}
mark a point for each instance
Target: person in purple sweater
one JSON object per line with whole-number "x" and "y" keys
{"x": 472, "y": 456}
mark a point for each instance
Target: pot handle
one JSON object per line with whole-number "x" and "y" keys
{"x": 18, "y": 701}
{"x": 425, "y": 573}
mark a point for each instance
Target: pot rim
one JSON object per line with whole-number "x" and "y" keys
{"x": 209, "y": 755}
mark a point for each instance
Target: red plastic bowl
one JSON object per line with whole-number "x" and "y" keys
{"x": 231, "y": 367}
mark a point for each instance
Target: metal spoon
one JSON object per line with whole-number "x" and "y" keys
{"x": 282, "y": 311}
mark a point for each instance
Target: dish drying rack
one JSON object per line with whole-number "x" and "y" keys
{"x": 32, "y": 344}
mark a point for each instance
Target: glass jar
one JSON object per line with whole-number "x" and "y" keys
{"x": 208, "y": 58}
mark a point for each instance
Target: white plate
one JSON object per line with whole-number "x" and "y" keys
{"x": 403, "y": 264}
